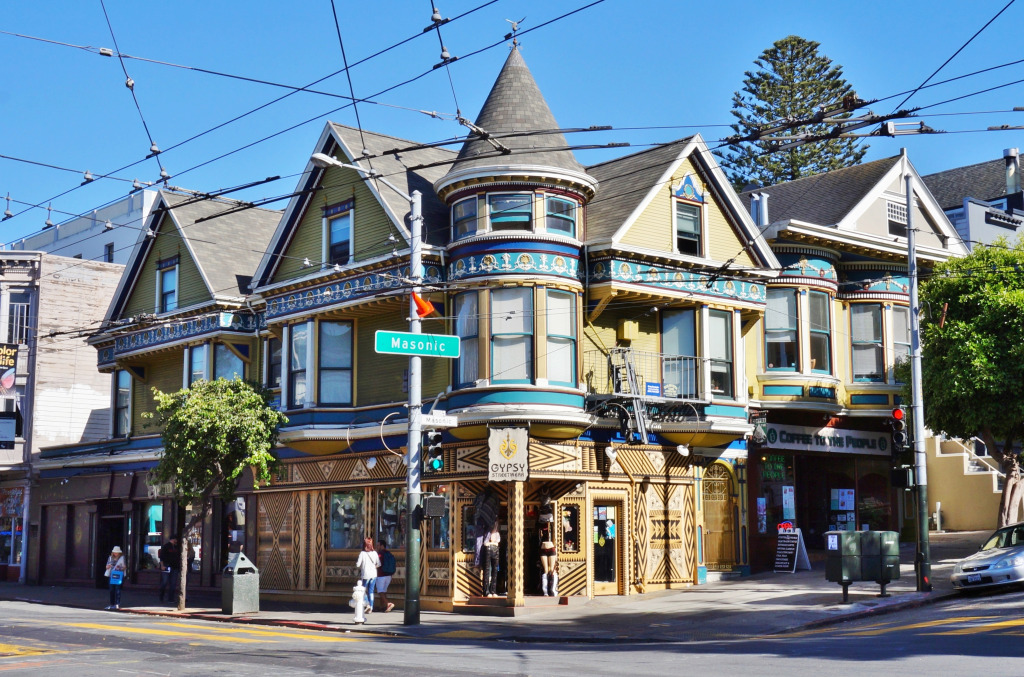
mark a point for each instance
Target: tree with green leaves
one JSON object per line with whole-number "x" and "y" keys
{"x": 212, "y": 433}
{"x": 973, "y": 357}
{"x": 792, "y": 82}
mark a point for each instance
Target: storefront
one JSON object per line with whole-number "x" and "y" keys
{"x": 12, "y": 501}
{"x": 820, "y": 479}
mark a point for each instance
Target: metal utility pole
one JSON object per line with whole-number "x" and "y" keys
{"x": 922, "y": 562}
{"x": 414, "y": 469}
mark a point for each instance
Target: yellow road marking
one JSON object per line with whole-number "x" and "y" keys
{"x": 153, "y": 631}
{"x": 916, "y": 626}
{"x": 10, "y": 650}
{"x": 465, "y": 634}
{"x": 987, "y": 627}
{"x": 270, "y": 633}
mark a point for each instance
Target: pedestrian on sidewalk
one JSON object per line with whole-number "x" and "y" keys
{"x": 367, "y": 564}
{"x": 384, "y": 573}
{"x": 491, "y": 553}
{"x": 170, "y": 569}
{"x": 116, "y": 568}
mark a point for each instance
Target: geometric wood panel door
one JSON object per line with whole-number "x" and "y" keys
{"x": 720, "y": 531}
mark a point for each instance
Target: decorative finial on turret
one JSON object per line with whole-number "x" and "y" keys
{"x": 515, "y": 29}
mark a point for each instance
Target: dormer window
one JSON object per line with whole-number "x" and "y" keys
{"x": 464, "y": 218}
{"x": 167, "y": 284}
{"x": 897, "y": 216}
{"x": 338, "y": 234}
{"x": 689, "y": 218}
{"x": 561, "y": 216}
{"x": 511, "y": 212}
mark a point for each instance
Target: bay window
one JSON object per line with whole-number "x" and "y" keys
{"x": 901, "y": 332}
{"x": 297, "y": 365}
{"x": 273, "y": 379}
{"x": 781, "y": 330}
{"x": 561, "y": 216}
{"x": 720, "y": 351}
{"x": 467, "y": 328}
{"x": 821, "y": 332}
{"x": 226, "y": 364}
{"x": 122, "y": 403}
{"x": 512, "y": 335}
{"x": 866, "y": 336}
{"x": 335, "y": 363}
{"x": 464, "y": 218}
{"x": 511, "y": 212}
{"x": 197, "y": 363}
{"x": 561, "y": 344}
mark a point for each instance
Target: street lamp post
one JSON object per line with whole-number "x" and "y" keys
{"x": 414, "y": 465}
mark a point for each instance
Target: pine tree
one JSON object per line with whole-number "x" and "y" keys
{"x": 792, "y": 82}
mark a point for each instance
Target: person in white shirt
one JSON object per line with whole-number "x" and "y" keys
{"x": 367, "y": 565}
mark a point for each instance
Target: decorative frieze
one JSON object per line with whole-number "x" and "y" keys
{"x": 661, "y": 277}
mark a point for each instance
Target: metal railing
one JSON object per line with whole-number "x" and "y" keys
{"x": 624, "y": 371}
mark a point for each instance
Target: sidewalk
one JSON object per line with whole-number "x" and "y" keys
{"x": 765, "y": 603}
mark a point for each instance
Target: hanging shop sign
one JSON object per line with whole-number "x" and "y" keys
{"x": 832, "y": 440}
{"x": 508, "y": 452}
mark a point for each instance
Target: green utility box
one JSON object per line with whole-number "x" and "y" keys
{"x": 880, "y": 556}
{"x": 240, "y": 586}
{"x": 843, "y": 562}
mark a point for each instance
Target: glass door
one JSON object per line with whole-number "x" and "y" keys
{"x": 607, "y": 559}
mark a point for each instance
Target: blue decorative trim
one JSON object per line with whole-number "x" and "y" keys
{"x": 801, "y": 265}
{"x": 105, "y": 356}
{"x": 531, "y": 396}
{"x": 784, "y": 390}
{"x": 688, "y": 190}
{"x": 351, "y": 288}
{"x": 869, "y": 399}
{"x": 185, "y": 329}
{"x": 821, "y": 391}
{"x": 342, "y": 418}
{"x": 725, "y": 410}
{"x": 492, "y": 257}
{"x": 660, "y": 277}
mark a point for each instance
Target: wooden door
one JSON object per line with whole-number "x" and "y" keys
{"x": 719, "y": 526}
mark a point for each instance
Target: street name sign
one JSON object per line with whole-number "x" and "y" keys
{"x": 407, "y": 343}
{"x": 439, "y": 420}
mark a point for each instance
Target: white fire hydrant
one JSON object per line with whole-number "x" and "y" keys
{"x": 358, "y": 602}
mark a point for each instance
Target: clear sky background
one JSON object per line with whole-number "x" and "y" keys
{"x": 655, "y": 70}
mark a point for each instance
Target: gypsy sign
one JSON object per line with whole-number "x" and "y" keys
{"x": 508, "y": 454}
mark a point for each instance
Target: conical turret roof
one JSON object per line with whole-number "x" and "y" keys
{"x": 516, "y": 104}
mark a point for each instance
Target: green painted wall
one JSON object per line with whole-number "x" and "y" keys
{"x": 191, "y": 288}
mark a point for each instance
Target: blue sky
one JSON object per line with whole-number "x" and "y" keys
{"x": 653, "y": 64}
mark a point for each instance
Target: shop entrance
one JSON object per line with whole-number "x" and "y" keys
{"x": 110, "y": 532}
{"x": 608, "y": 561}
{"x": 719, "y": 532}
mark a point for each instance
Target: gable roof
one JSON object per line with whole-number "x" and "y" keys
{"x": 624, "y": 183}
{"x": 824, "y": 199}
{"x": 226, "y": 248}
{"x": 408, "y": 170}
{"x": 983, "y": 181}
{"x": 515, "y": 104}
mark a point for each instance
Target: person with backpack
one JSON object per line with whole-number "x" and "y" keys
{"x": 384, "y": 573}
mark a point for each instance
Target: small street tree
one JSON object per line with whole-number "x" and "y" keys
{"x": 212, "y": 432}
{"x": 792, "y": 82}
{"x": 973, "y": 356}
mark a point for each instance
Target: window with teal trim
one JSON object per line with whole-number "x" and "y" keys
{"x": 821, "y": 332}
{"x": 297, "y": 365}
{"x": 464, "y": 218}
{"x": 511, "y": 211}
{"x": 720, "y": 351}
{"x": 561, "y": 348}
{"x": 197, "y": 359}
{"x": 467, "y": 328}
{"x": 122, "y": 403}
{"x": 561, "y": 216}
{"x": 781, "y": 321}
{"x": 512, "y": 335}
{"x": 866, "y": 335}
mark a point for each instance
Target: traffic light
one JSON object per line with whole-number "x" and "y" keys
{"x": 433, "y": 454}
{"x": 899, "y": 429}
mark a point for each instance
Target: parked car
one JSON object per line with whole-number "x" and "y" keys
{"x": 999, "y": 562}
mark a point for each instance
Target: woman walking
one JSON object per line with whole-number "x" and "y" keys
{"x": 367, "y": 564}
{"x": 116, "y": 567}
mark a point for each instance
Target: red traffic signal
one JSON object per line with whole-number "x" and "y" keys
{"x": 898, "y": 414}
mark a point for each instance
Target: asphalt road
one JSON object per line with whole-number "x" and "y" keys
{"x": 977, "y": 635}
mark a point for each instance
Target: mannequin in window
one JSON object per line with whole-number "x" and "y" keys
{"x": 548, "y": 561}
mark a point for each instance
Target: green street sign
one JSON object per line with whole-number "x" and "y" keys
{"x": 407, "y": 343}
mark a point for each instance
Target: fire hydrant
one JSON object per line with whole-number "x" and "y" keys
{"x": 358, "y": 602}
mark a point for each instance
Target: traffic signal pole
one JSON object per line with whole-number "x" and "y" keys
{"x": 415, "y": 467}
{"x": 922, "y": 563}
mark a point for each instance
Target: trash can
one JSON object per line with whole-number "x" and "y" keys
{"x": 843, "y": 549}
{"x": 240, "y": 586}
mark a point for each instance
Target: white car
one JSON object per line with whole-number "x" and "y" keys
{"x": 999, "y": 562}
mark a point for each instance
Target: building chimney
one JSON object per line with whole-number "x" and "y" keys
{"x": 1010, "y": 156}
{"x": 755, "y": 208}
{"x": 763, "y": 212}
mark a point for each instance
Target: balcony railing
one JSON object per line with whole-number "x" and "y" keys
{"x": 625, "y": 372}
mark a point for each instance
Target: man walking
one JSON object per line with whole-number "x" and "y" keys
{"x": 384, "y": 573}
{"x": 170, "y": 566}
